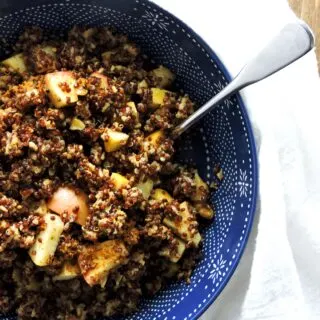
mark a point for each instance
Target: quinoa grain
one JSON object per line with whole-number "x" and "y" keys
{"x": 110, "y": 90}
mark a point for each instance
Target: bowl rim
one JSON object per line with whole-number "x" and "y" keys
{"x": 213, "y": 55}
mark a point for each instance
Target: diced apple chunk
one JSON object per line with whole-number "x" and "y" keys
{"x": 158, "y": 97}
{"x": 41, "y": 208}
{"x": 146, "y": 188}
{"x": 114, "y": 140}
{"x": 118, "y": 180}
{"x": 164, "y": 76}
{"x": 107, "y": 55}
{"x": 89, "y": 33}
{"x": 42, "y": 252}
{"x": 117, "y": 68}
{"x": 131, "y": 49}
{"x": 185, "y": 226}
{"x": 134, "y": 110}
{"x": 196, "y": 240}
{"x": 219, "y": 174}
{"x": 69, "y": 271}
{"x": 50, "y": 50}
{"x": 61, "y": 88}
{"x": 141, "y": 86}
{"x": 98, "y": 260}
{"x": 155, "y": 138}
{"x": 172, "y": 270}
{"x": 201, "y": 188}
{"x": 81, "y": 87}
{"x": 161, "y": 195}
{"x": 16, "y": 63}
{"x": 183, "y": 103}
{"x": 104, "y": 83}
{"x": 173, "y": 251}
{"x": 72, "y": 201}
{"x": 77, "y": 124}
{"x": 204, "y": 210}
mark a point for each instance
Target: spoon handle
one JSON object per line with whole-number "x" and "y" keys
{"x": 293, "y": 42}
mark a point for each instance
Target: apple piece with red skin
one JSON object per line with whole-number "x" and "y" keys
{"x": 71, "y": 201}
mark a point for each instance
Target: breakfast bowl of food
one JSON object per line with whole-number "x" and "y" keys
{"x": 102, "y": 213}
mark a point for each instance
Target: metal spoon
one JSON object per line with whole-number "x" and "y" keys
{"x": 293, "y": 42}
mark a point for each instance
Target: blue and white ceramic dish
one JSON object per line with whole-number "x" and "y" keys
{"x": 224, "y": 136}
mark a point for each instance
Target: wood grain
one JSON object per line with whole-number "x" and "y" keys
{"x": 309, "y": 11}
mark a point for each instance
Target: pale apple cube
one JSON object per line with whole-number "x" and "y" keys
{"x": 141, "y": 86}
{"x": 98, "y": 260}
{"x": 164, "y": 76}
{"x": 161, "y": 195}
{"x": 117, "y": 68}
{"x": 173, "y": 251}
{"x": 41, "y": 208}
{"x": 69, "y": 271}
{"x": 196, "y": 240}
{"x": 43, "y": 250}
{"x": 158, "y": 97}
{"x": 104, "y": 83}
{"x": 16, "y": 63}
{"x": 114, "y": 140}
{"x": 155, "y": 138}
{"x": 186, "y": 226}
{"x": 50, "y": 50}
{"x": 201, "y": 188}
{"x": 173, "y": 269}
{"x": 107, "y": 55}
{"x": 81, "y": 87}
{"x": 134, "y": 110}
{"x": 89, "y": 33}
{"x": 61, "y": 88}
{"x": 77, "y": 124}
{"x": 204, "y": 210}
{"x": 119, "y": 181}
{"x": 145, "y": 187}
{"x": 183, "y": 102}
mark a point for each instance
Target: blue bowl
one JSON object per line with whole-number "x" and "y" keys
{"x": 223, "y": 137}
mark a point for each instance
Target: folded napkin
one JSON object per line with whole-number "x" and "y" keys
{"x": 279, "y": 274}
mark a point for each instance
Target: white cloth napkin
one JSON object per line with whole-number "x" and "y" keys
{"x": 279, "y": 273}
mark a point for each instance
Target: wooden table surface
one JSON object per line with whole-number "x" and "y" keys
{"x": 309, "y": 11}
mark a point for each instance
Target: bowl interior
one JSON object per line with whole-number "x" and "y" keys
{"x": 224, "y": 136}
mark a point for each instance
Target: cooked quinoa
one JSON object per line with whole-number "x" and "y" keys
{"x": 95, "y": 212}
